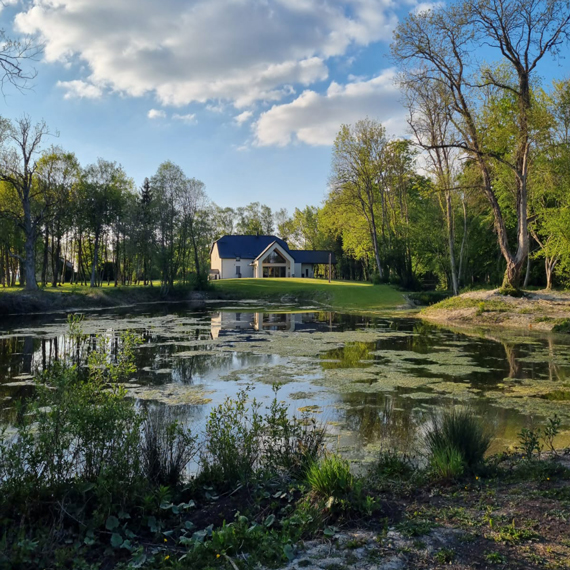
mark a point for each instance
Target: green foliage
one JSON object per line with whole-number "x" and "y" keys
{"x": 447, "y": 462}
{"x": 562, "y": 326}
{"x": 392, "y": 465}
{"x": 166, "y": 448}
{"x": 331, "y": 477}
{"x": 532, "y": 440}
{"x": 456, "y": 437}
{"x": 76, "y": 429}
{"x": 242, "y": 441}
{"x": 427, "y": 298}
{"x": 508, "y": 290}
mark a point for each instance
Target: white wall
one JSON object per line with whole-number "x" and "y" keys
{"x": 304, "y": 268}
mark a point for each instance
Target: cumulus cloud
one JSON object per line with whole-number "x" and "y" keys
{"x": 243, "y": 117}
{"x": 427, "y": 6}
{"x": 80, "y": 89}
{"x": 189, "y": 118}
{"x": 237, "y": 51}
{"x": 315, "y": 118}
{"x": 156, "y": 114}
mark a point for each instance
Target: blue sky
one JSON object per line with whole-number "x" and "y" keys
{"x": 245, "y": 95}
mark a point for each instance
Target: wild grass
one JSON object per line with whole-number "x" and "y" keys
{"x": 456, "y": 437}
{"x": 331, "y": 477}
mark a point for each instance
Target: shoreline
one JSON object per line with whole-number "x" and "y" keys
{"x": 536, "y": 311}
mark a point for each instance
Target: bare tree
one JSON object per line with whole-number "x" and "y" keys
{"x": 440, "y": 46}
{"x": 20, "y": 148}
{"x": 433, "y": 130}
{"x": 14, "y": 56}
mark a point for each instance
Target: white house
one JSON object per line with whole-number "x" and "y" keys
{"x": 262, "y": 256}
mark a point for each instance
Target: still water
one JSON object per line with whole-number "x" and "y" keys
{"x": 374, "y": 381}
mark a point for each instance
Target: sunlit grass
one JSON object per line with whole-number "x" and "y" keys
{"x": 340, "y": 294}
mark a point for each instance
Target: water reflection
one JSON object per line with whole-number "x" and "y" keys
{"x": 364, "y": 384}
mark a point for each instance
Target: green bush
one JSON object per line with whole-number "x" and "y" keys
{"x": 242, "y": 441}
{"x": 457, "y": 433}
{"x": 331, "y": 477}
{"x": 76, "y": 429}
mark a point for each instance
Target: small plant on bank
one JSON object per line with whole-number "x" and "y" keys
{"x": 456, "y": 436}
{"x": 331, "y": 477}
{"x": 392, "y": 465}
{"x": 532, "y": 441}
{"x": 166, "y": 448}
{"x": 447, "y": 463}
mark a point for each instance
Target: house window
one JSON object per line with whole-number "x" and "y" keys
{"x": 278, "y": 271}
{"x": 274, "y": 257}
{"x": 238, "y": 270}
{"x": 238, "y": 258}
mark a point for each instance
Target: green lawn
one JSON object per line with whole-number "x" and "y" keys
{"x": 348, "y": 295}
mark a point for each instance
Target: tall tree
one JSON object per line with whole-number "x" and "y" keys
{"x": 359, "y": 153}
{"x": 440, "y": 47}
{"x": 19, "y": 153}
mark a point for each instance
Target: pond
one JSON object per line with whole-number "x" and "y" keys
{"x": 374, "y": 381}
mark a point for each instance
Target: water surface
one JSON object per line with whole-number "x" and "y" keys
{"x": 374, "y": 381}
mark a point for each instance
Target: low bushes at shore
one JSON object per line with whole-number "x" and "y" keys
{"x": 89, "y": 480}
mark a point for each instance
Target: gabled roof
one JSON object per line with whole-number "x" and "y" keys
{"x": 248, "y": 247}
{"x": 251, "y": 247}
{"x": 285, "y": 250}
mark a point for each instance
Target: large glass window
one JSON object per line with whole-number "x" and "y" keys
{"x": 274, "y": 271}
{"x": 274, "y": 257}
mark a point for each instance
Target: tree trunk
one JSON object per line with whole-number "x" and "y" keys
{"x": 451, "y": 238}
{"x": 95, "y": 260}
{"x": 45, "y": 260}
{"x": 527, "y": 273}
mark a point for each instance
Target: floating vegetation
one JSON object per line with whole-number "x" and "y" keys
{"x": 172, "y": 394}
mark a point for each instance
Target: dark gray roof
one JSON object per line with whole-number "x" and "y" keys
{"x": 249, "y": 247}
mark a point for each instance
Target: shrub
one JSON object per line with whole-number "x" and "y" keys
{"x": 233, "y": 440}
{"x": 457, "y": 432}
{"x": 166, "y": 448}
{"x": 331, "y": 477}
{"x": 290, "y": 445}
{"x": 242, "y": 441}
{"x": 562, "y": 326}
{"x": 76, "y": 430}
{"x": 510, "y": 291}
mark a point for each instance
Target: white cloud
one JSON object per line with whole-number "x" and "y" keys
{"x": 80, "y": 89}
{"x": 427, "y": 6}
{"x": 189, "y": 118}
{"x": 156, "y": 114}
{"x": 236, "y": 51}
{"x": 243, "y": 117}
{"x": 315, "y": 119}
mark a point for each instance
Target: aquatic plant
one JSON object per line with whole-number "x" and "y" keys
{"x": 457, "y": 432}
{"x": 166, "y": 448}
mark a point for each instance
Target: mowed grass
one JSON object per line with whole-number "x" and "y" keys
{"x": 349, "y": 295}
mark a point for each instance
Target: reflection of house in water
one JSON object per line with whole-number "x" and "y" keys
{"x": 227, "y": 323}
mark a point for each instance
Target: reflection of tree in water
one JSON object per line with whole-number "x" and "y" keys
{"x": 385, "y": 419}
{"x": 348, "y": 356}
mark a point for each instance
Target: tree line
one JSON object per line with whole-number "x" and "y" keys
{"x": 478, "y": 193}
